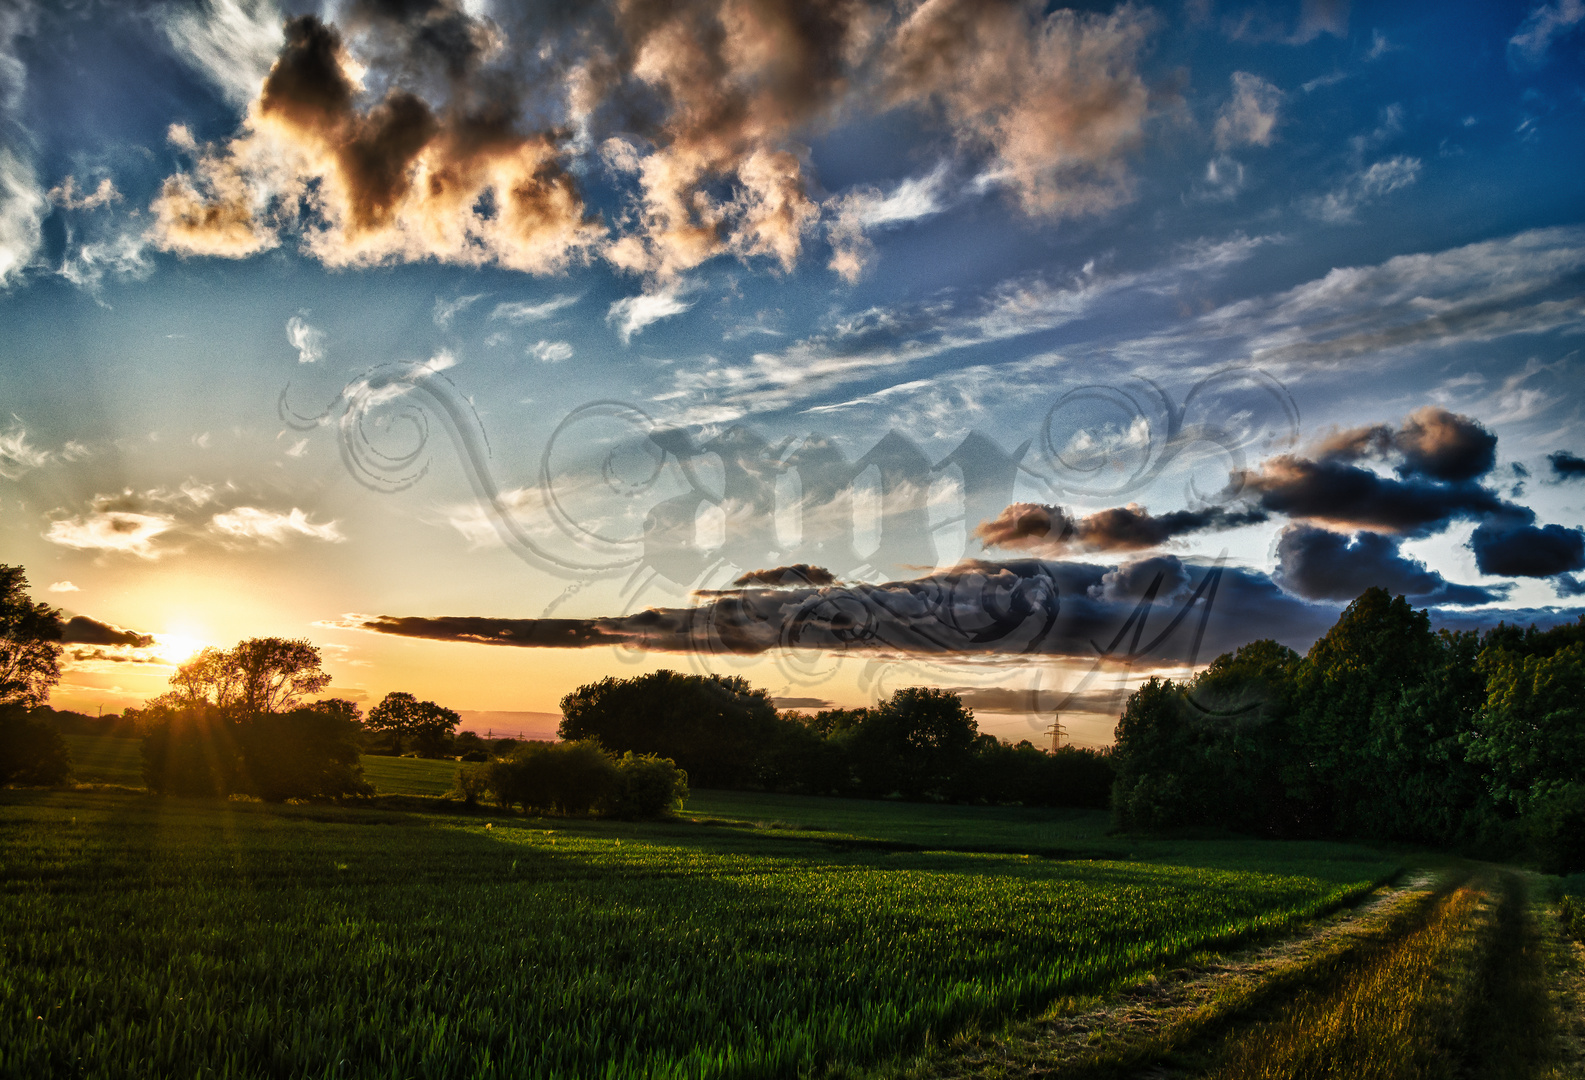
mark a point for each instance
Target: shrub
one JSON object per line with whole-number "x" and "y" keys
{"x": 1571, "y": 911}
{"x": 302, "y": 754}
{"x": 31, "y": 751}
{"x": 579, "y": 777}
{"x": 1557, "y": 828}
{"x": 569, "y": 777}
{"x": 191, "y": 751}
{"x": 646, "y": 786}
{"x": 472, "y": 781}
{"x": 204, "y": 751}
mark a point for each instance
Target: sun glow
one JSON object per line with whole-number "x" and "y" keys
{"x": 177, "y": 649}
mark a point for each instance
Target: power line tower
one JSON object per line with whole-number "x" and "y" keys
{"x": 1056, "y": 731}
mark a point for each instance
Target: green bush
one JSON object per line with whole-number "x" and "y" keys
{"x": 207, "y": 752}
{"x": 569, "y": 777}
{"x": 1571, "y": 910}
{"x": 472, "y": 782}
{"x": 191, "y": 752}
{"x": 582, "y": 777}
{"x": 303, "y": 754}
{"x": 1556, "y": 824}
{"x": 31, "y": 751}
{"x": 646, "y": 786}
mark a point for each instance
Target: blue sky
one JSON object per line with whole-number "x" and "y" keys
{"x": 304, "y": 309}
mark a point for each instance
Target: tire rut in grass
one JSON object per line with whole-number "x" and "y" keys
{"x": 1156, "y": 1025}
{"x": 1469, "y": 995}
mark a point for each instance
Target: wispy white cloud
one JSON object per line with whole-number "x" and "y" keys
{"x": 308, "y": 341}
{"x": 1340, "y": 206}
{"x": 109, "y": 528}
{"x": 63, "y": 587}
{"x": 1475, "y": 293}
{"x": 870, "y": 343}
{"x": 632, "y": 314}
{"x": 524, "y": 312}
{"x": 1545, "y": 23}
{"x": 858, "y": 212}
{"x": 447, "y": 310}
{"x": 550, "y": 352}
{"x": 1379, "y": 46}
{"x": 1249, "y": 117}
{"x": 23, "y": 202}
{"x": 17, "y": 455}
{"x": 271, "y": 527}
{"x": 232, "y": 42}
{"x": 1223, "y": 180}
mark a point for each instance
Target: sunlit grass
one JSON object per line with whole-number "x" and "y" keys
{"x": 141, "y": 937}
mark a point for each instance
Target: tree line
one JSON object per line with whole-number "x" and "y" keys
{"x": 1384, "y": 731}
{"x": 921, "y": 743}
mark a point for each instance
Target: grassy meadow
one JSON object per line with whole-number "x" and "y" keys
{"x": 169, "y": 937}
{"x": 752, "y": 935}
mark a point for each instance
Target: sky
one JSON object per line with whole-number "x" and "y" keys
{"x": 1020, "y": 349}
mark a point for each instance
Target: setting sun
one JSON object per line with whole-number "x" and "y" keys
{"x": 177, "y": 649}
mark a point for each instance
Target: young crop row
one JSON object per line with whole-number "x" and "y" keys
{"x": 141, "y": 938}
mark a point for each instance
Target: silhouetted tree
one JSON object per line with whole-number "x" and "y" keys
{"x": 919, "y": 742}
{"x": 236, "y": 722}
{"x": 31, "y": 748}
{"x": 308, "y": 752}
{"x": 404, "y": 717}
{"x": 30, "y": 648}
{"x": 259, "y": 675}
{"x": 717, "y": 728}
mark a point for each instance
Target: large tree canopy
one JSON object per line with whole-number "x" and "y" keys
{"x": 30, "y": 648}
{"x": 429, "y": 725}
{"x": 259, "y": 675}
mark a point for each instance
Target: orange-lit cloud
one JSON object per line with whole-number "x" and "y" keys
{"x": 436, "y": 134}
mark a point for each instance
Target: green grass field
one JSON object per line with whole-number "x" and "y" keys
{"x": 164, "y": 937}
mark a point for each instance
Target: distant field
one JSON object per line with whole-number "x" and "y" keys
{"x": 105, "y": 759}
{"x": 171, "y": 937}
{"x": 408, "y": 776}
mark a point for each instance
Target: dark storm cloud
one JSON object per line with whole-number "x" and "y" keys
{"x": 1431, "y": 442}
{"x": 1567, "y": 466}
{"x": 1438, "y": 456}
{"x": 81, "y": 630}
{"x": 1514, "y": 546}
{"x": 1337, "y": 493}
{"x": 1051, "y": 530}
{"x": 796, "y": 574}
{"x": 1319, "y": 564}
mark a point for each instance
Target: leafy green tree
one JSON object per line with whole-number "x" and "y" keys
{"x": 30, "y": 648}
{"x": 32, "y": 751}
{"x": 646, "y": 787}
{"x": 1530, "y": 733}
{"x": 404, "y": 717}
{"x": 919, "y": 742}
{"x": 1349, "y": 690}
{"x": 570, "y": 777}
{"x": 717, "y": 728}
{"x": 1423, "y": 788}
{"x": 31, "y": 748}
{"x": 1155, "y": 744}
{"x": 308, "y": 752}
